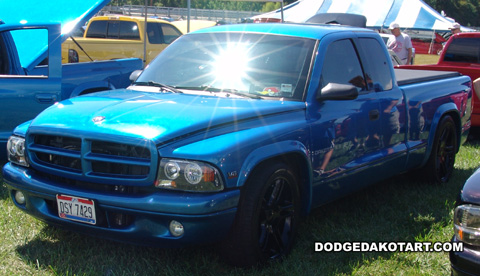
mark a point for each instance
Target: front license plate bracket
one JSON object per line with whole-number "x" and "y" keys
{"x": 76, "y": 209}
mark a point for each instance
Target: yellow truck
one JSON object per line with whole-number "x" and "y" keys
{"x": 118, "y": 36}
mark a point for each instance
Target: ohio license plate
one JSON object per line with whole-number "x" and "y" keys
{"x": 76, "y": 208}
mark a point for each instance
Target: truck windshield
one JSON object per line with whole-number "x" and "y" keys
{"x": 269, "y": 66}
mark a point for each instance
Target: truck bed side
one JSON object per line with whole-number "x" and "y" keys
{"x": 472, "y": 71}
{"x": 429, "y": 95}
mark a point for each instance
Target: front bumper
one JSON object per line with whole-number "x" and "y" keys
{"x": 465, "y": 263}
{"x": 206, "y": 217}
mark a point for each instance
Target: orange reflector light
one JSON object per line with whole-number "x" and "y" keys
{"x": 208, "y": 175}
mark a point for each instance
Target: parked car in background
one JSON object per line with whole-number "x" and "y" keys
{"x": 466, "y": 221}
{"x": 461, "y": 54}
{"x": 426, "y": 42}
{"x": 78, "y": 32}
{"x": 118, "y": 36}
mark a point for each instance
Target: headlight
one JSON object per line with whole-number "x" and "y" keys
{"x": 16, "y": 151}
{"x": 186, "y": 175}
{"x": 467, "y": 224}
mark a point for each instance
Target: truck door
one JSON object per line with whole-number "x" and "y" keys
{"x": 346, "y": 134}
{"x": 392, "y": 104}
{"x": 25, "y": 92}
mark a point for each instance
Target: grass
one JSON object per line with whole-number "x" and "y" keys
{"x": 426, "y": 59}
{"x": 400, "y": 209}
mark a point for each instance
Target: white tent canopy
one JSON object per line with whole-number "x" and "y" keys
{"x": 410, "y": 14}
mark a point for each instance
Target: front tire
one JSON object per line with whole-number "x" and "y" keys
{"x": 439, "y": 167}
{"x": 267, "y": 218}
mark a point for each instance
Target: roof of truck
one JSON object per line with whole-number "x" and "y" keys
{"x": 314, "y": 31}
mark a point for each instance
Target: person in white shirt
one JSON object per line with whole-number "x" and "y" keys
{"x": 400, "y": 43}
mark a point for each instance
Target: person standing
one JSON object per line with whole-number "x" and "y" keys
{"x": 400, "y": 43}
{"x": 455, "y": 29}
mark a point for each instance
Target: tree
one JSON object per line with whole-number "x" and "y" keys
{"x": 463, "y": 11}
{"x": 271, "y": 6}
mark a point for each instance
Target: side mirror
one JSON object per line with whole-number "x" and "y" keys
{"x": 134, "y": 75}
{"x": 337, "y": 92}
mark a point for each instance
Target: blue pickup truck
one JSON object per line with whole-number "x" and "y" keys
{"x": 31, "y": 74}
{"x": 232, "y": 134}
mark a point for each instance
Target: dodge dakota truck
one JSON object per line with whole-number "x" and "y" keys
{"x": 232, "y": 134}
{"x": 120, "y": 36}
{"x": 31, "y": 74}
{"x": 461, "y": 53}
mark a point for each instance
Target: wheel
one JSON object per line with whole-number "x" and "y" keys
{"x": 267, "y": 218}
{"x": 440, "y": 164}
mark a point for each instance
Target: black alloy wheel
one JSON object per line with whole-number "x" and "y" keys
{"x": 442, "y": 158}
{"x": 267, "y": 218}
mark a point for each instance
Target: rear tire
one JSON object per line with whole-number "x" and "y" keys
{"x": 267, "y": 218}
{"x": 439, "y": 167}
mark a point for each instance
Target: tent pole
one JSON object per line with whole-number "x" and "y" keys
{"x": 145, "y": 37}
{"x": 281, "y": 9}
{"x": 188, "y": 16}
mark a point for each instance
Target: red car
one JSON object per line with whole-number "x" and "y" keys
{"x": 428, "y": 45}
{"x": 461, "y": 54}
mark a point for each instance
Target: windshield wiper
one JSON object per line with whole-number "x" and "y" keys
{"x": 219, "y": 90}
{"x": 163, "y": 87}
{"x": 242, "y": 94}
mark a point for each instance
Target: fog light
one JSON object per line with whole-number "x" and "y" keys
{"x": 176, "y": 228}
{"x": 19, "y": 197}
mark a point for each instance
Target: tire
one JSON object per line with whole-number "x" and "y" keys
{"x": 267, "y": 219}
{"x": 439, "y": 167}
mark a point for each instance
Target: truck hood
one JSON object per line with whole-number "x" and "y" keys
{"x": 70, "y": 14}
{"x": 159, "y": 117}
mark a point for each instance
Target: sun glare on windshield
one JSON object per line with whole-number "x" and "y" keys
{"x": 230, "y": 66}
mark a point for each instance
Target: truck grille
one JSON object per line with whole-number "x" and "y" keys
{"x": 92, "y": 159}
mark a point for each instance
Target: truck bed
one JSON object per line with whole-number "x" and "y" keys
{"x": 408, "y": 76}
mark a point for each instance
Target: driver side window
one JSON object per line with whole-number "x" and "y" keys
{"x": 341, "y": 65}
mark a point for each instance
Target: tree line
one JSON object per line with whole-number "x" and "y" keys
{"x": 463, "y": 11}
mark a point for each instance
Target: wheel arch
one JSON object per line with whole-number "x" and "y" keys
{"x": 294, "y": 155}
{"x": 451, "y": 110}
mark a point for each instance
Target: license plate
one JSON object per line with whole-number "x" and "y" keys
{"x": 76, "y": 208}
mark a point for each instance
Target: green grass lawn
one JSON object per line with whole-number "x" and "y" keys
{"x": 426, "y": 59}
{"x": 400, "y": 209}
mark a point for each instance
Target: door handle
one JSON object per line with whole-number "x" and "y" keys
{"x": 46, "y": 97}
{"x": 373, "y": 115}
